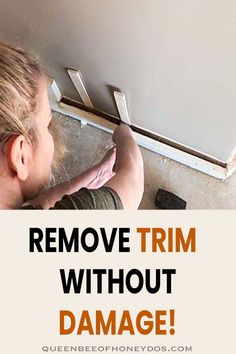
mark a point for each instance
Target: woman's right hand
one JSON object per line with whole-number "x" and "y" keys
{"x": 122, "y": 132}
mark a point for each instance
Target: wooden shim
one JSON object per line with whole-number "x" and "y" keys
{"x": 54, "y": 89}
{"x": 55, "y": 104}
{"x": 80, "y": 88}
{"x": 122, "y": 106}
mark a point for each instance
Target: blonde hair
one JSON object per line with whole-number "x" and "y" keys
{"x": 20, "y": 74}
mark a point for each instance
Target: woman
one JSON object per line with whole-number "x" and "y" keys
{"x": 27, "y": 149}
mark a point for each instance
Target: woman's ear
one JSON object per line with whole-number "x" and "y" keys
{"x": 19, "y": 156}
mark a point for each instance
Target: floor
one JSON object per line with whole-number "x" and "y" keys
{"x": 86, "y": 146}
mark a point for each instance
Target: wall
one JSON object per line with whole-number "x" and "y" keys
{"x": 175, "y": 60}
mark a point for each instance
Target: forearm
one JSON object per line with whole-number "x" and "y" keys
{"x": 129, "y": 179}
{"x": 128, "y": 156}
{"x": 87, "y": 179}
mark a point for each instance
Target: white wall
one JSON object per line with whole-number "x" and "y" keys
{"x": 175, "y": 60}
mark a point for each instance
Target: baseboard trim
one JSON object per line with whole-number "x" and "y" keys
{"x": 194, "y": 159}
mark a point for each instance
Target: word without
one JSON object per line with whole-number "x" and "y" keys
{"x": 134, "y": 281}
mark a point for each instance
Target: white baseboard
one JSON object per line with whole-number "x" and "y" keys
{"x": 197, "y": 163}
